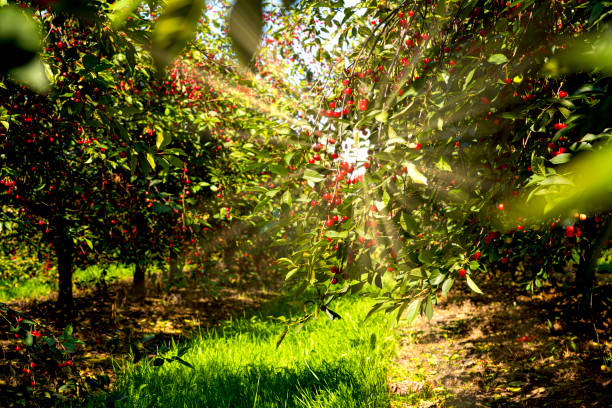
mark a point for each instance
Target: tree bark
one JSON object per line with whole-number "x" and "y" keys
{"x": 64, "y": 250}
{"x": 139, "y": 285}
{"x": 139, "y": 289}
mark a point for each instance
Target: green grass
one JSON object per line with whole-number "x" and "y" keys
{"x": 37, "y": 286}
{"x": 326, "y": 364}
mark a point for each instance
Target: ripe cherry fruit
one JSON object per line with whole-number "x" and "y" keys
{"x": 462, "y": 272}
{"x": 363, "y": 104}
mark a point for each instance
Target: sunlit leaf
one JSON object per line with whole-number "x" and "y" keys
{"x": 472, "y": 285}
{"x": 497, "y": 59}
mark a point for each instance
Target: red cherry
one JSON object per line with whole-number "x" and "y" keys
{"x": 331, "y": 141}
{"x": 417, "y": 146}
{"x": 476, "y": 256}
{"x": 363, "y": 104}
{"x": 559, "y": 126}
{"x": 348, "y": 91}
{"x": 462, "y": 272}
{"x": 500, "y": 206}
{"x": 562, "y": 94}
{"x": 329, "y": 222}
{"x": 569, "y": 231}
{"x": 411, "y": 13}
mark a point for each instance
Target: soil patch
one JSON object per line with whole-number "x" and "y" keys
{"x": 508, "y": 349}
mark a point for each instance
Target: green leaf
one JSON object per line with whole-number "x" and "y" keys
{"x": 537, "y": 165}
{"x": 29, "y": 340}
{"x": 374, "y": 309}
{"x": 412, "y": 310}
{"x": 90, "y": 61}
{"x": 443, "y": 165}
{"x": 183, "y": 362}
{"x": 408, "y": 223}
{"x": 497, "y": 59}
{"x": 278, "y": 169}
{"x": 151, "y": 160}
{"x": 446, "y": 286}
{"x": 162, "y": 139}
{"x": 245, "y": 28}
{"x": 472, "y": 285}
{"x": 174, "y": 29}
{"x": 332, "y": 315}
{"x": 561, "y": 158}
{"x": 286, "y": 198}
{"x": 121, "y": 10}
{"x": 336, "y": 234}
{"x": 415, "y": 175}
{"x": 312, "y": 176}
{"x": 175, "y": 161}
{"x": 382, "y": 117}
{"x": 468, "y": 78}
{"x": 291, "y": 273}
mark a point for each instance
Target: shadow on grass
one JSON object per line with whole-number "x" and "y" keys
{"x": 330, "y": 385}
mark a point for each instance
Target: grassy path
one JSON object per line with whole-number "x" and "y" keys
{"x": 326, "y": 364}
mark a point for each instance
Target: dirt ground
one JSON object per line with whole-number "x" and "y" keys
{"x": 501, "y": 349}
{"x": 508, "y": 349}
{"x": 114, "y": 327}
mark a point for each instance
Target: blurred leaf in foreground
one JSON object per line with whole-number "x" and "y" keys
{"x": 174, "y": 29}
{"x": 586, "y": 54}
{"x": 584, "y": 183}
{"x": 19, "y": 44}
